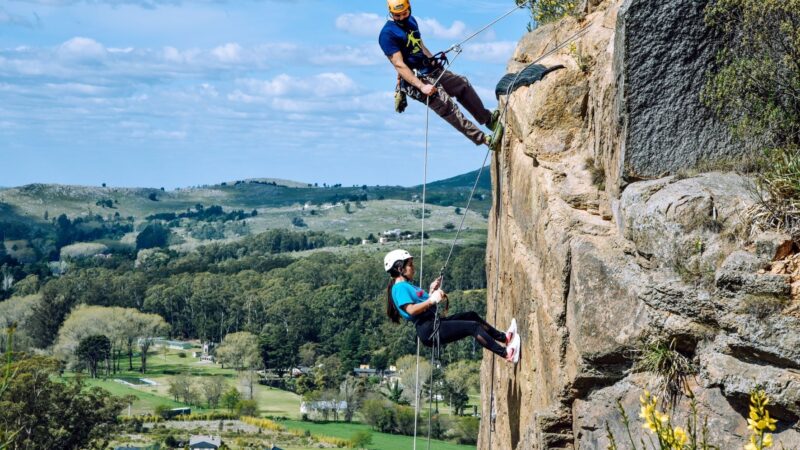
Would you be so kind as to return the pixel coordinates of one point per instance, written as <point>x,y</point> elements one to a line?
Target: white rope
<point>456,46</point>
<point>421,267</point>
<point>416,398</point>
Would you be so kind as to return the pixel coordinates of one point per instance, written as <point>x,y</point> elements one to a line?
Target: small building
<point>205,442</point>
<point>175,412</point>
<point>175,345</point>
<point>320,406</point>
<point>299,371</point>
<point>383,240</point>
<point>139,447</point>
<point>364,370</point>
<point>392,233</point>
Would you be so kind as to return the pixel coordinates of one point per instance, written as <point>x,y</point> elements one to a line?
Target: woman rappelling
<point>403,299</point>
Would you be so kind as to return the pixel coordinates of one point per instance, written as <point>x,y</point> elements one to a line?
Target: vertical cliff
<point>603,239</point>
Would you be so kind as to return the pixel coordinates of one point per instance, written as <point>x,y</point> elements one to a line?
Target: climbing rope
<point>489,25</point>
<point>498,216</point>
<point>436,349</point>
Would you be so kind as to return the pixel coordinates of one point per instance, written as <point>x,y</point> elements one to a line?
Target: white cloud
<point>491,52</point>
<point>322,85</point>
<point>76,88</point>
<point>82,49</point>
<point>228,53</point>
<point>147,132</point>
<point>366,55</point>
<point>120,50</point>
<point>360,24</point>
<point>369,25</point>
<point>432,27</point>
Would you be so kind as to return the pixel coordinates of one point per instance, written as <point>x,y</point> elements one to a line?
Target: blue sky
<point>178,93</point>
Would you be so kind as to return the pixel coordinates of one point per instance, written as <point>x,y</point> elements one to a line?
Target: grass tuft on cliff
<point>672,367</point>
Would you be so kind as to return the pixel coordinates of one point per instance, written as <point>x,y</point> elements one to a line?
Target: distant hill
<point>278,181</point>
<point>38,200</point>
<point>466,180</point>
<point>230,210</point>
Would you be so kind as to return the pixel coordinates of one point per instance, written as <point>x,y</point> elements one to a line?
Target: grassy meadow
<point>163,366</point>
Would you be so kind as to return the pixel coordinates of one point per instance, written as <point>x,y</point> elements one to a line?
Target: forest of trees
<point>265,306</point>
<point>251,285</point>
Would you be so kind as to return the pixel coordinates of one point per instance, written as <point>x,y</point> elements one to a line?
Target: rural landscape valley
<point>256,298</point>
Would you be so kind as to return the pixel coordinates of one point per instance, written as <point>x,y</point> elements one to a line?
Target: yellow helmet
<point>398,6</point>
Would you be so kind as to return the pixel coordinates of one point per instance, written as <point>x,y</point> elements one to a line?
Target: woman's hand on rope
<point>437,296</point>
<point>428,89</point>
<point>437,283</point>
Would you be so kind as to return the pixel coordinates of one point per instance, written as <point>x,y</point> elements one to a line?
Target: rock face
<point>661,52</point>
<point>596,266</point>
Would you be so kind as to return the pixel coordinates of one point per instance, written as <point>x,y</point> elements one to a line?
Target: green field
<point>272,402</point>
<point>162,369</point>
<point>380,441</point>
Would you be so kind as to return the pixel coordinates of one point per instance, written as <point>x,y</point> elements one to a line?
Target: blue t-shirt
<point>405,293</point>
<point>406,40</point>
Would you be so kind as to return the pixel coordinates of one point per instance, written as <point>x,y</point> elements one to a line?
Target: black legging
<point>458,326</point>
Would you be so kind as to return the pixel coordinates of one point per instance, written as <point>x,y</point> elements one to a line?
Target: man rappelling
<point>418,71</point>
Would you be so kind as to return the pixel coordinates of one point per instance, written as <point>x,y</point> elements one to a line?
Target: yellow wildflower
<point>759,421</point>
<point>680,437</point>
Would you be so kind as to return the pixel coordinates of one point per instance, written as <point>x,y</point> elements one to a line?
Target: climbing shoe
<point>495,141</point>
<point>512,350</point>
<point>494,120</point>
<point>512,331</point>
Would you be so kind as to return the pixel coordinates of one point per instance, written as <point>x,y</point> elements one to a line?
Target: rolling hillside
<point>231,210</point>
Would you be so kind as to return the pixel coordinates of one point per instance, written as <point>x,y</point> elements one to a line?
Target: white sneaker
<point>511,332</point>
<point>512,350</point>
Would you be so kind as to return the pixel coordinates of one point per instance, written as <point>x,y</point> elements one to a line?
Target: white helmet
<point>394,256</point>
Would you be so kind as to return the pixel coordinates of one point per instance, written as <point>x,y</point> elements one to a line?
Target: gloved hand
<point>436,296</point>
<point>436,284</point>
<point>428,89</point>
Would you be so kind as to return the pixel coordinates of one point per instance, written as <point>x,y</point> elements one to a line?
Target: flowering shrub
<point>670,437</point>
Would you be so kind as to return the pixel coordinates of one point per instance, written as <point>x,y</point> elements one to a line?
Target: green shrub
<point>465,430</point>
<point>162,411</point>
<point>754,90</point>
<point>247,408</point>
<point>361,439</point>
<point>658,357</point>
<point>545,11</point>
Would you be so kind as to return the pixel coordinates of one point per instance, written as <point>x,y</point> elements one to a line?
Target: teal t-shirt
<point>405,293</point>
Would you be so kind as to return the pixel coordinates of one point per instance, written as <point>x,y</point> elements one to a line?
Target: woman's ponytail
<point>391,309</point>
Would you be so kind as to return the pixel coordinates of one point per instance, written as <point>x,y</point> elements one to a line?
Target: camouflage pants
<point>452,86</point>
